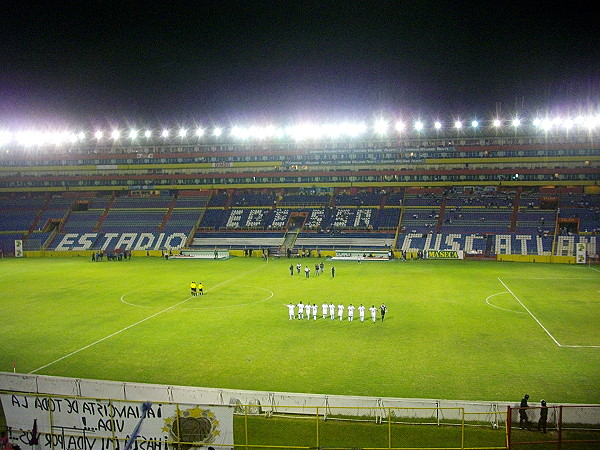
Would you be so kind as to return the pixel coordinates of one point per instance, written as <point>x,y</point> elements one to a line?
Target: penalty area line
<point>133,325</point>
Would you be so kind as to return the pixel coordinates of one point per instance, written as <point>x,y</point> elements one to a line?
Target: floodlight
<point>419,125</point>
<point>148,133</point>
<point>537,122</point>
<point>400,126</point>
<point>458,124</point>
<point>380,126</point>
<point>165,133</point>
<point>199,131</point>
<point>98,134</point>
<point>516,122</point>
<point>81,136</point>
<point>133,134</point>
<point>437,125</point>
<point>217,131</point>
<point>497,123</point>
<point>475,124</point>
<point>5,137</point>
<point>116,134</point>
<point>182,132</point>
<point>546,124</point>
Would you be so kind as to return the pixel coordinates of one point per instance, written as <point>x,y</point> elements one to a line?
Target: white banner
<point>74,423</point>
<point>18,248</point>
<point>581,253</point>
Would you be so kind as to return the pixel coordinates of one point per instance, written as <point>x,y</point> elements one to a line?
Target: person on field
<point>332,272</point>
<point>200,288</point>
<point>361,312</point>
<point>291,269</point>
<point>543,417</point>
<point>382,310</point>
<point>341,312</point>
<point>332,311</point>
<point>307,272</point>
<point>373,313</point>
<point>314,311</point>
<point>351,312</point>
<point>292,310</point>
<point>523,419</point>
<point>300,310</point>
<point>324,309</point>
<point>308,310</point>
<point>193,288</point>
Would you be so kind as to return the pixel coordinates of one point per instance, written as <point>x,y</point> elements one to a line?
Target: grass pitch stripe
<point>135,324</point>
<point>530,313</point>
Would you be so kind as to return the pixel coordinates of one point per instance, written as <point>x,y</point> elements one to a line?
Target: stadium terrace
<point>498,187</point>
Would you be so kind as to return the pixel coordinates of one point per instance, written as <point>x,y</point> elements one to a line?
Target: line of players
<point>329,310</point>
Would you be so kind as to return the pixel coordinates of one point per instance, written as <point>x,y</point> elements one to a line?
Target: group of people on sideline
<point>524,418</point>
<point>308,311</point>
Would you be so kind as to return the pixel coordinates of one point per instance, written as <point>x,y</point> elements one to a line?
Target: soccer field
<point>454,329</point>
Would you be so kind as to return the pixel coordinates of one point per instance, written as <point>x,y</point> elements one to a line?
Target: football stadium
<point>388,283</point>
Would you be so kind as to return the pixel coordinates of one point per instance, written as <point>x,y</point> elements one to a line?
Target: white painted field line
<point>540,323</point>
<point>530,313</point>
<point>134,324</point>
<point>487,300</point>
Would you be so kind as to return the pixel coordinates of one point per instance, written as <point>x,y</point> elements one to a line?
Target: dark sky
<point>152,62</point>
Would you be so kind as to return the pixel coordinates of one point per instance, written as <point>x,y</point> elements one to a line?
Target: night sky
<point>255,61</point>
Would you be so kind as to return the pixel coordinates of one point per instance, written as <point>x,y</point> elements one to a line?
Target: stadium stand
<point>488,196</point>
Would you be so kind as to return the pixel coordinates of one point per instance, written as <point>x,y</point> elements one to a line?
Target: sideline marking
<point>540,323</point>
<point>498,307</point>
<point>134,324</point>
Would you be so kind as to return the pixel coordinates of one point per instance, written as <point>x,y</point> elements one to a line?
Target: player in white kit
<point>300,310</point>
<point>351,312</point>
<point>324,309</point>
<point>361,312</point>
<point>373,313</point>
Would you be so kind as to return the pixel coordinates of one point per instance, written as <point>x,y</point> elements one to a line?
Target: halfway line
<point>134,324</point>
<point>530,313</point>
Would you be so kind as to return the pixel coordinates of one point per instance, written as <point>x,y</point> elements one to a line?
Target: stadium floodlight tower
<point>165,133</point>
<point>115,134</point>
<point>148,134</point>
<point>199,132</point>
<point>217,132</point>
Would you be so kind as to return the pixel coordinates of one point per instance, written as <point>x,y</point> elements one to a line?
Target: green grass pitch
<point>454,329</point>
